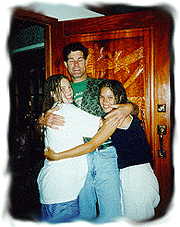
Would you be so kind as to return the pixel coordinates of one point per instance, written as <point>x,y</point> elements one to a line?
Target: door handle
<point>161,130</point>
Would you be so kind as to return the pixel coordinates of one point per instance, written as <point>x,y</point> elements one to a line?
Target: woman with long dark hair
<point>60,182</point>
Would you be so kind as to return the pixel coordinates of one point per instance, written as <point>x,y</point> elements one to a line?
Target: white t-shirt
<point>61,181</point>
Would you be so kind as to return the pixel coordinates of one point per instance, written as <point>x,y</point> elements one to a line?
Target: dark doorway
<point>25,142</point>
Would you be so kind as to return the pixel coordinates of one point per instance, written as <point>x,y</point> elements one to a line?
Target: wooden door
<point>134,49</point>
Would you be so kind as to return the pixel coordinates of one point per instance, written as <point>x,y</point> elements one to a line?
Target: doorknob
<point>161,130</point>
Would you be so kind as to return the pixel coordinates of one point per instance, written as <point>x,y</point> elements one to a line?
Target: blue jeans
<point>60,212</point>
<point>103,185</point>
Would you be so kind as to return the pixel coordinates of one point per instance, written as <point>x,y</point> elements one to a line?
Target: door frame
<point>49,24</point>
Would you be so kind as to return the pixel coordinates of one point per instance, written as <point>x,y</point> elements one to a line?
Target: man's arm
<point>50,119</point>
<point>122,111</point>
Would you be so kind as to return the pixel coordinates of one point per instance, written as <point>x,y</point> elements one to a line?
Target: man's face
<point>76,66</point>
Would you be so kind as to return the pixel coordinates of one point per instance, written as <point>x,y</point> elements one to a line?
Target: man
<point>86,89</point>
<point>86,93</point>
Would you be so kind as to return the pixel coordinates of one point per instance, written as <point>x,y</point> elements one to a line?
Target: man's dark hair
<point>74,47</point>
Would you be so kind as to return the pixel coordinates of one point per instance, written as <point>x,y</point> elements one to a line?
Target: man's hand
<point>53,120</point>
<point>119,114</point>
<point>49,154</point>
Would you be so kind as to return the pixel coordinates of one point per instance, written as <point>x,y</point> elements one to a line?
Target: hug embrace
<point>98,160</point>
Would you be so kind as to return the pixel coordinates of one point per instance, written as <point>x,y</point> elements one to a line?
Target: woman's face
<point>66,91</point>
<point>106,99</point>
